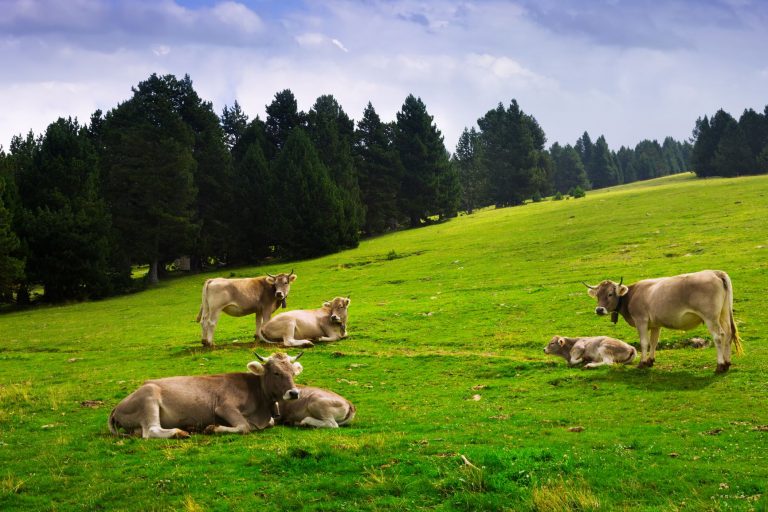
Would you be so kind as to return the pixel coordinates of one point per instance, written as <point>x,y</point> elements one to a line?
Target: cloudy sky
<point>628,69</point>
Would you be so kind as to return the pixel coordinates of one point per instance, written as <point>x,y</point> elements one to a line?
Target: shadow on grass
<point>656,380</point>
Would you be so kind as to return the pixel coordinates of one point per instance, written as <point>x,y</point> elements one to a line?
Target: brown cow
<point>679,302</point>
<point>594,351</point>
<point>328,323</point>
<point>241,297</point>
<point>238,402</point>
<point>316,407</point>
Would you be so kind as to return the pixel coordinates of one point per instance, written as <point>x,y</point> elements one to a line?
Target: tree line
<point>161,175</point>
<point>726,147</point>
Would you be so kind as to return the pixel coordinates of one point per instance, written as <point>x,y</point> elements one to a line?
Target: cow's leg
<point>655,332</point>
<point>234,417</point>
<point>290,341</point>
<point>150,417</point>
<point>332,337</point>
<point>642,330</point>
<point>577,356</point>
<point>720,336</point>
<point>310,421</point>
<point>605,359</point>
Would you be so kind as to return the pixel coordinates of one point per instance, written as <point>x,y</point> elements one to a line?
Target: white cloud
<point>338,44</point>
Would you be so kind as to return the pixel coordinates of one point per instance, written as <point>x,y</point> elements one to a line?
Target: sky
<point>628,70</point>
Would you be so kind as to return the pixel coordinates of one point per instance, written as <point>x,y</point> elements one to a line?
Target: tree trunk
<point>152,276</point>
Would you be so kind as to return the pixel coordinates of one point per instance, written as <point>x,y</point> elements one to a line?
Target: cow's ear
<point>592,292</point>
<point>623,290</point>
<point>297,368</point>
<point>292,278</point>
<point>347,301</point>
<point>256,368</point>
<point>561,341</point>
<point>327,304</point>
<point>270,280</point>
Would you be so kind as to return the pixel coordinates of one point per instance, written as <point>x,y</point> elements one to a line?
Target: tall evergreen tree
<point>472,176</point>
<point>234,122</point>
<point>733,156</point>
<point>425,161</point>
<point>65,221</point>
<point>282,117</point>
<point>584,147</point>
<point>754,127</point>
<point>511,145</point>
<point>149,169</point>
<point>569,169</point>
<point>331,132</point>
<point>604,172</point>
<point>379,171</point>
<point>309,220</point>
<point>11,265</point>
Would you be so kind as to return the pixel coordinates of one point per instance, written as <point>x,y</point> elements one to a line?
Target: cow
<point>328,323</point>
<point>219,404</point>
<point>679,302</point>
<point>240,297</point>
<point>594,351</point>
<point>316,407</point>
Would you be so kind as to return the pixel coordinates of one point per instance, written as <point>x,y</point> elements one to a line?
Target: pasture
<point>458,407</point>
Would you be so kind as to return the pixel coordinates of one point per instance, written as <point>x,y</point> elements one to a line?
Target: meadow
<point>458,406</point>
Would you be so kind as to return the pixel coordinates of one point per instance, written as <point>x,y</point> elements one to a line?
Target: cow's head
<point>557,345</point>
<point>282,284</point>
<point>277,372</point>
<point>608,295</point>
<point>338,307</point>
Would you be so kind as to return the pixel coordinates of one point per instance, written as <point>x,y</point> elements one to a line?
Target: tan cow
<point>300,327</point>
<point>240,297</point>
<point>238,402</point>
<point>316,407</point>
<point>594,351</point>
<point>679,302</point>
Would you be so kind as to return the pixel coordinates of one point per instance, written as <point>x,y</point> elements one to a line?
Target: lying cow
<point>679,302</point>
<point>299,328</point>
<point>316,407</point>
<point>225,403</point>
<point>595,351</point>
<point>240,297</point>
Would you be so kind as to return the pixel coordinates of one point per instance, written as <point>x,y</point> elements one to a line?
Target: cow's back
<point>237,297</point>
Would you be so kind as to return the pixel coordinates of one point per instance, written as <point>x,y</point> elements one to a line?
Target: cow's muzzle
<point>291,394</point>
<point>600,310</point>
<point>279,295</point>
<point>336,319</point>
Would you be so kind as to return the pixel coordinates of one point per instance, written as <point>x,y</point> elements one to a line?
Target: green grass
<point>438,315</point>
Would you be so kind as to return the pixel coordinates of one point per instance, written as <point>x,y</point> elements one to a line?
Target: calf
<point>299,328</point>
<point>316,408</point>
<point>595,351</point>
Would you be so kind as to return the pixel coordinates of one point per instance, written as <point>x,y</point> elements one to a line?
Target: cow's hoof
<point>210,429</point>
<point>207,344</point>
<point>181,434</point>
<point>645,364</point>
<point>722,368</point>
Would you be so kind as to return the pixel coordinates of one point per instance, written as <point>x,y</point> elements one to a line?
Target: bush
<point>558,196</point>
<point>537,197</point>
<point>577,192</point>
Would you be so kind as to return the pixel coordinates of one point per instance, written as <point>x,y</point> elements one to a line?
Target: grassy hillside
<point>445,359</point>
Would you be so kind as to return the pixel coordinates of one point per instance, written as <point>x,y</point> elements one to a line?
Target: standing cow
<point>240,297</point>
<point>225,403</point>
<point>679,302</point>
<point>298,328</point>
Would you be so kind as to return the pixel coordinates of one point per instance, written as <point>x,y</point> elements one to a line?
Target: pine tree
<point>11,266</point>
<point>604,172</point>
<point>309,218</point>
<point>472,176</point>
<point>65,222</point>
<point>379,172</point>
<point>425,162</point>
<point>569,169</point>
<point>331,132</point>
<point>511,145</point>
<point>234,122</point>
<point>149,169</point>
<point>282,117</point>
<point>584,148</point>
<point>733,156</point>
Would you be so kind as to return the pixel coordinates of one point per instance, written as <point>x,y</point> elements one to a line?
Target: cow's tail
<point>735,338</point>
<point>350,414</point>
<point>264,339</point>
<point>632,355</point>
<point>204,301</point>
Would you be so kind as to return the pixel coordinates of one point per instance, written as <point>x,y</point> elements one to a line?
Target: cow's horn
<point>293,359</point>
<point>589,286</point>
<point>621,280</point>
<point>289,275</point>
<point>270,275</point>
<point>260,358</point>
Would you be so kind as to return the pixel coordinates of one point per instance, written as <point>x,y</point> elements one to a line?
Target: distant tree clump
<point>726,147</point>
